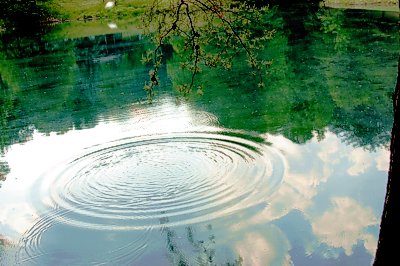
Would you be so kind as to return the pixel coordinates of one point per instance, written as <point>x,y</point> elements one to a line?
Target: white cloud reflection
<point>256,250</point>
<point>345,224</point>
<point>309,167</point>
<point>16,219</point>
<point>361,160</point>
<point>382,160</point>
<point>267,248</point>
<point>302,177</point>
<point>329,155</point>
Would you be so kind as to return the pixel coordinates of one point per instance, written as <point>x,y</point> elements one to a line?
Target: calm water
<point>292,173</point>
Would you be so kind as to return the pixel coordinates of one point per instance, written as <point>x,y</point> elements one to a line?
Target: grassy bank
<point>92,9</point>
<point>96,9</point>
<point>91,17</point>
<point>384,5</point>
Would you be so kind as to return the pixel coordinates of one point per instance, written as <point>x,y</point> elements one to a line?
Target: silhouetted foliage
<point>24,13</point>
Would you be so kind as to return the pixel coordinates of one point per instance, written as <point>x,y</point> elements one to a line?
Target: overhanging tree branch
<point>212,32</point>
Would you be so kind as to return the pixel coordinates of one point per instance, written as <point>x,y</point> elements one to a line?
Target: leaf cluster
<point>207,33</point>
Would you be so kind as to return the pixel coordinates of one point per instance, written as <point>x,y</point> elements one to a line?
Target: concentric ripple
<point>145,182</point>
<point>42,244</point>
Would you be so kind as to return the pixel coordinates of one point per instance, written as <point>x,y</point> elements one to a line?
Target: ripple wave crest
<point>175,179</point>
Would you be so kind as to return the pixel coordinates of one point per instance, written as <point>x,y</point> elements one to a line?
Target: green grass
<point>89,17</point>
<point>384,5</point>
<point>126,15</point>
<point>95,9</point>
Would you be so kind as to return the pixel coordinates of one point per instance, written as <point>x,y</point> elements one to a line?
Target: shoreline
<point>392,6</point>
<point>383,6</point>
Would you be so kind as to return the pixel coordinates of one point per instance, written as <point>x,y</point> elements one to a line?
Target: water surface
<point>292,173</point>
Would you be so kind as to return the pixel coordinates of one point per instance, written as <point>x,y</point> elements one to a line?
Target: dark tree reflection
<point>180,249</point>
<point>4,170</point>
<point>25,15</point>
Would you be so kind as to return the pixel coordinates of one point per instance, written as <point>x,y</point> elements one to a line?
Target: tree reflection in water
<point>203,250</point>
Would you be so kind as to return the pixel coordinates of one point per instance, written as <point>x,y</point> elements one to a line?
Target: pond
<point>292,173</point>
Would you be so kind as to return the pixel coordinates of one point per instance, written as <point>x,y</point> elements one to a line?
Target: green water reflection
<point>341,79</point>
<point>325,107</point>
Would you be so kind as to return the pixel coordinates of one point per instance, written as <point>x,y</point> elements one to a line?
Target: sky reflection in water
<point>325,204</point>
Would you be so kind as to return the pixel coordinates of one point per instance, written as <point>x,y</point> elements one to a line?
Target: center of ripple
<point>169,179</point>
